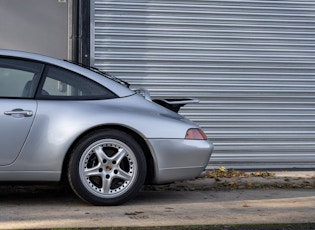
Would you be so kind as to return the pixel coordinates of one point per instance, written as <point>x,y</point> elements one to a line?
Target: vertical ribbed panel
<point>250,62</point>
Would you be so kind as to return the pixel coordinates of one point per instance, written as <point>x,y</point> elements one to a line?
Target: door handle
<point>19,113</point>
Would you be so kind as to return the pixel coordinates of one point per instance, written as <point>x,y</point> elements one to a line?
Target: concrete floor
<point>183,203</point>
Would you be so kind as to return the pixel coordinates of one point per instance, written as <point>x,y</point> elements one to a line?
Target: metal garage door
<point>251,63</point>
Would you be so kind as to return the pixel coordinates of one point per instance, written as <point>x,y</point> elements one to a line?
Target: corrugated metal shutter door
<point>251,63</point>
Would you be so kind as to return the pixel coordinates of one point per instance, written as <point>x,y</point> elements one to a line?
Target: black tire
<point>107,167</point>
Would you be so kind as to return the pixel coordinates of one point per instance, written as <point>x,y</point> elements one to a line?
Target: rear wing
<point>175,104</point>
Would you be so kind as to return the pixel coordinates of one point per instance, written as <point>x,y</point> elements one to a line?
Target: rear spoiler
<point>175,104</point>
<point>172,104</point>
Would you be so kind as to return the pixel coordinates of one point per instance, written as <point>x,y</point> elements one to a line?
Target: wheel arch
<point>140,140</point>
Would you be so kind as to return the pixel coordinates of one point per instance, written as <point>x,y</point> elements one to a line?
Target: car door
<point>18,81</point>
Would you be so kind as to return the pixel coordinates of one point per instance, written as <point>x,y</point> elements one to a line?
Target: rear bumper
<point>179,159</point>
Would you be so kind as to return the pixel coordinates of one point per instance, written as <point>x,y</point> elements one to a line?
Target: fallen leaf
<point>245,205</point>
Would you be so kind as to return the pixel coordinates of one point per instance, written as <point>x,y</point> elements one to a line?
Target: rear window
<point>59,83</point>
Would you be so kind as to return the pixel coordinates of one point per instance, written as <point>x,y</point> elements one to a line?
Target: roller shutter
<point>250,62</point>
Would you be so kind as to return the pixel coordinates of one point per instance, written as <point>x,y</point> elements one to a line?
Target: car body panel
<point>179,159</point>
<point>15,127</point>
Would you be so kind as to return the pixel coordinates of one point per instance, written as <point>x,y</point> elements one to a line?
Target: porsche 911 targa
<point>62,120</point>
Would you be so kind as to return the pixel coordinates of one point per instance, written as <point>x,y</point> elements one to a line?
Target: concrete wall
<point>39,26</point>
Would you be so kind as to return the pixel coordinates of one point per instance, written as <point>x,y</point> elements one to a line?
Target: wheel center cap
<point>108,168</point>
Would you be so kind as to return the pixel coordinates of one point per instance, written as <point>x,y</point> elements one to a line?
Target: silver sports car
<point>61,120</point>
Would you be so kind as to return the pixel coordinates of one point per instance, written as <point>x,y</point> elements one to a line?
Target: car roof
<point>117,88</point>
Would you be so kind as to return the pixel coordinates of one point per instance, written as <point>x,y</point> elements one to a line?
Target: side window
<point>18,78</point>
<point>63,84</point>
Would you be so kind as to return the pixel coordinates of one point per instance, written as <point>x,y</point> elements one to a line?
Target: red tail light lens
<point>195,134</point>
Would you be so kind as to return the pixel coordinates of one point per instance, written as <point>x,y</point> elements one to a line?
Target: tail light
<point>195,134</point>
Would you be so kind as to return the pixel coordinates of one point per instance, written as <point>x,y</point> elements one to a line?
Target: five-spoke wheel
<point>107,168</point>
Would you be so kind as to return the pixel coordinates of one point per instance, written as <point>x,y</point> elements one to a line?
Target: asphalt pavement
<point>280,197</point>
